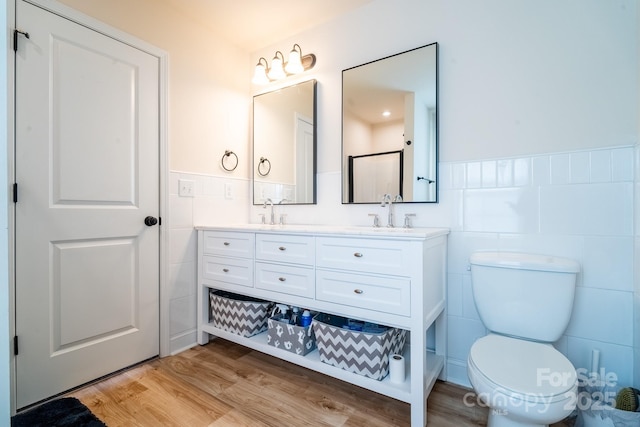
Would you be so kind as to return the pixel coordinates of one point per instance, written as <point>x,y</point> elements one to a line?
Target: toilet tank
<point>524,295</point>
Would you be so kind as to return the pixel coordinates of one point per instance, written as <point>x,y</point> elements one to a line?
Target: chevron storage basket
<point>239,314</point>
<point>361,352</point>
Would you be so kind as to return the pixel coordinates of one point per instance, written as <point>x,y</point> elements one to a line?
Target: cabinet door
<point>378,293</point>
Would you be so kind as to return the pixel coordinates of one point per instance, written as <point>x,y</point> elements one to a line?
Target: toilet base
<point>498,419</point>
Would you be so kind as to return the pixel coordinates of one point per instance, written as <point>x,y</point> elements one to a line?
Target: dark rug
<point>65,412</point>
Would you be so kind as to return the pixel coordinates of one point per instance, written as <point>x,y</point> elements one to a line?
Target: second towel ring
<point>264,163</point>
<point>226,155</point>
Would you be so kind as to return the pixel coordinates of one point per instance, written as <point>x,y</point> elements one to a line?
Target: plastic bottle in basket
<point>305,320</point>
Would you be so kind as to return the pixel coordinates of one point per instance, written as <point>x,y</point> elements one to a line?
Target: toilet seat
<point>525,370</point>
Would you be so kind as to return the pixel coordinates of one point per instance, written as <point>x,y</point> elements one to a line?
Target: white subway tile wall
<point>577,205</point>
<point>210,205</point>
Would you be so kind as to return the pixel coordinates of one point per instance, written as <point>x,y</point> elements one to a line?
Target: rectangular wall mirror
<point>284,145</point>
<point>390,128</point>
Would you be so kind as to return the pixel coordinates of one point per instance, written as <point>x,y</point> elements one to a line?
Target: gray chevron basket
<point>239,314</point>
<point>360,352</point>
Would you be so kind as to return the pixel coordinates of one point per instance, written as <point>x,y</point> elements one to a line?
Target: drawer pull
<point>358,255</point>
<point>282,279</point>
<point>282,248</point>
<point>358,291</point>
<point>226,243</point>
<point>226,270</point>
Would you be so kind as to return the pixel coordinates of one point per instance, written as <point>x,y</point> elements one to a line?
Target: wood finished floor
<point>225,384</point>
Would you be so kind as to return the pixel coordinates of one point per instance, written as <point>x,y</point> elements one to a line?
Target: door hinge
<point>15,192</point>
<point>15,345</point>
<point>15,38</point>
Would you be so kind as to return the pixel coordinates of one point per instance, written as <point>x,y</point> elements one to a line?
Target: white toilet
<point>525,301</point>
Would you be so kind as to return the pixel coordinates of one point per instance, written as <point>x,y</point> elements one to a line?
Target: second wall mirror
<point>284,145</point>
<point>390,128</point>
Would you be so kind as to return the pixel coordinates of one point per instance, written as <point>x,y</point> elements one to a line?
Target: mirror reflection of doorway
<point>304,157</point>
<point>373,175</point>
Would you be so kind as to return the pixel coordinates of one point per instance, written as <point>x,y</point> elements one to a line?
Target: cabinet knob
<point>358,291</point>
<point>282,279</point>
<point>226,243</point>
<point>226,270</point>
<point>282,248</point>
<point>358,255</point>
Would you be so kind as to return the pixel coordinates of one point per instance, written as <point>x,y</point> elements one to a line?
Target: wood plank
<point>223,384</point>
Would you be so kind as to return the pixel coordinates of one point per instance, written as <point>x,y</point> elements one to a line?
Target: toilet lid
<point>523,367</point>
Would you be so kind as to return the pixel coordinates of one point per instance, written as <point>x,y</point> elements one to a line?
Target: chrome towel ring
<point>227,154</point>
<point>264,166</point>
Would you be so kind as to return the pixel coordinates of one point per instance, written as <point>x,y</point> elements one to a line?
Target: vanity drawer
<point>383,294</point>
<point>228,244</point>
<point>285,279</point>
<point>285,248</point>
<point>369,256</point>
<point>238,271</point>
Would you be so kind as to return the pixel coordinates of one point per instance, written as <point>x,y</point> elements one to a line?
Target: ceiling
<point>381,85</point>
<point>254,24</point>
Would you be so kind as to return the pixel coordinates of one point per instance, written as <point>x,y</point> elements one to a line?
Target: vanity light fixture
<point>279,69</point>
<point>386,113</point>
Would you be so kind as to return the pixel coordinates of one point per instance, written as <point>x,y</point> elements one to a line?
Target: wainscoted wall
<point>208,206</point>
<point>516,118</point>
<point>574,204</point>
<point>578,205</point>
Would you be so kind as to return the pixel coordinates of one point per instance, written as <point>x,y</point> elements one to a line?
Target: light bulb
<point>276,72</point>
<point>294,66</point>
<point>260,75</point>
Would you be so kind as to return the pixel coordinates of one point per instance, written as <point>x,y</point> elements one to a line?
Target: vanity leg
<point>202,313</point>
<point>418,369</point>
<point>202,299</point>
<point>441,342</point>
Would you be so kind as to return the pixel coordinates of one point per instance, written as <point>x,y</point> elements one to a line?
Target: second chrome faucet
<point>388,201</point>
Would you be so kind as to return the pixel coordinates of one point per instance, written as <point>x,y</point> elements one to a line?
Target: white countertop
<point>397,232</point>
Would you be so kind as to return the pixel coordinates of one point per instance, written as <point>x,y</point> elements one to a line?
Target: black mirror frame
<point>344,198</point>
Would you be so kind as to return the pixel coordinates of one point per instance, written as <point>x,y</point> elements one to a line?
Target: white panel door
<point>87,169</point>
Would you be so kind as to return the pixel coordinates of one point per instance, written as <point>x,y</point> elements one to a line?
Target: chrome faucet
<point>273,215</point>
<point>386,201</point>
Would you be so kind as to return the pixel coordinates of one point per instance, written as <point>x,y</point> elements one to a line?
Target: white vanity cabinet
<point>395,277</point>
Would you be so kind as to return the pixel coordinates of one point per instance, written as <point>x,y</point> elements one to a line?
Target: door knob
<point>150,221</point>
